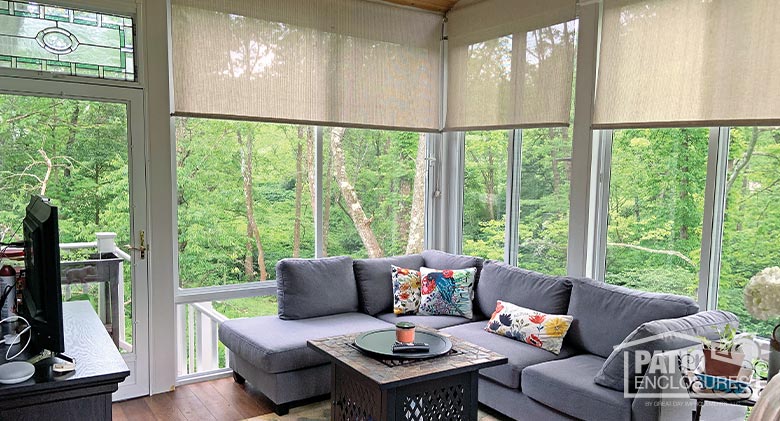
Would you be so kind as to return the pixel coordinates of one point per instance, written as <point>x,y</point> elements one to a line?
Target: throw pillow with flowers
<point>533,327</point>
<point>406,290</point>
<point>447,292</point>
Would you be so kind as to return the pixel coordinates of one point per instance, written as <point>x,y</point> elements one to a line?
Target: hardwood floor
<point>220,399</point>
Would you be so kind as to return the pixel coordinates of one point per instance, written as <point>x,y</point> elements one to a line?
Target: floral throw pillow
<point>406,290</point>
<point>535,328</point>
<point>447,292</point>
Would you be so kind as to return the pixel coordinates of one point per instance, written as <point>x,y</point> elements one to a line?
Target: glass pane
<point>374,192</point>
<point>484,193</point>
<point>76,153</point>
<point>198,345</point>
<point>656,202</point>
<point>55,39</point>
<point>544,200</point>
<point>752,219</point>
<point>244,199</point>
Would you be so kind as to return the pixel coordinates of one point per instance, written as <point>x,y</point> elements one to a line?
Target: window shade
<point>677,63</point>
<point>510,64</point>
<point>347,63</point>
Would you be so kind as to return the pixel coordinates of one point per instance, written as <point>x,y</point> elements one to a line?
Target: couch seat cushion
<point>374,281</point>
<point>605,314</point>
<point>567,385</point>
<point>520,355</point>
<point>277,345</point>
<point>433,322</point>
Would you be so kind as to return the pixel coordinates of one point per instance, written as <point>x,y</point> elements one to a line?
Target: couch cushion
<point>277,345</point>
<point>433,322</point>
<point>315,287</point>
<point>499,281</point>
<point>659,336</point>
<point>605,314</point>
<point>375,285</point>
<point>567,385</point>
<point>520,355</point>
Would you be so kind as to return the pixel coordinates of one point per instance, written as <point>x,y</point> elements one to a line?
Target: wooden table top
<point>464,357</point>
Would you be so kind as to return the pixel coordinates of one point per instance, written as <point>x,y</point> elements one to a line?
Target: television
<point>42,294</point>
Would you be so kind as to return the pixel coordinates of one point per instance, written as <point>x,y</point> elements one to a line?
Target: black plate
<point>379,344</point>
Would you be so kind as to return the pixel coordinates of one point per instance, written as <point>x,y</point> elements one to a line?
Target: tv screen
<point>42,295</point>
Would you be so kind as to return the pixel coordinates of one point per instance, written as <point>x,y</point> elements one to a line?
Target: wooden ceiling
<point>433,5</point>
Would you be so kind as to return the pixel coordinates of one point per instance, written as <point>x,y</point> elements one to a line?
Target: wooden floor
<point>221,399</point>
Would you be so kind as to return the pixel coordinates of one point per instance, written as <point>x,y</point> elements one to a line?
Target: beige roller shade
<point>347,63</point>
<point>677,63</point>
<point>510,64</point>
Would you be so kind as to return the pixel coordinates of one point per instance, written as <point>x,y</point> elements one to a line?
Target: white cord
<point>29,337</point>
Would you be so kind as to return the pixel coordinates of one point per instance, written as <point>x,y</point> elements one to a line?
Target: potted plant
<point>723,357</point>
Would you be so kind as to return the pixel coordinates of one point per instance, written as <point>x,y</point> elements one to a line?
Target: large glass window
<point>373,192</point>
<point>484,193</point>
<point>752,218</point>
<point>656,203</point>
<point>54,39</point>
<point>244,199</point>
<point>544,200</point>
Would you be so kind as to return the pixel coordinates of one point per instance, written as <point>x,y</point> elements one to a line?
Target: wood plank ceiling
<point>433,5</point>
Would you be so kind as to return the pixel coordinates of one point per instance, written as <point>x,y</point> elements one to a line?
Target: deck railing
<point>105,242</point>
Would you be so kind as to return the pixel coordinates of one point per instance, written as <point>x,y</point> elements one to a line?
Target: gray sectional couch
<point>333,296</point>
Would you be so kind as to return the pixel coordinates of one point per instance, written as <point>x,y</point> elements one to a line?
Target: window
<point>373,192</point>
<point>656,203</point>
<point>60,40</point>
<point>484,193</point>
<point>244,199</point>
<point>544,200</point>
<point>752,218</point>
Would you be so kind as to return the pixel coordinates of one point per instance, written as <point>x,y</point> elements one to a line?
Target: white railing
<point>105,243</point>
<point>198,344</point>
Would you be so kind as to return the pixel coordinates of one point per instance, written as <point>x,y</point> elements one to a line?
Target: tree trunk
<point>414,243</point>
<point>298,192</point>
<point>252,232</point>
<point>354,208</point>
<point>74,121</point>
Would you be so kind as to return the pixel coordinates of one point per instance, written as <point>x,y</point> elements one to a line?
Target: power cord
<point>18,336</point>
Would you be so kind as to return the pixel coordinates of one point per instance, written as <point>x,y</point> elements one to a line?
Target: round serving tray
<point>379,344</point>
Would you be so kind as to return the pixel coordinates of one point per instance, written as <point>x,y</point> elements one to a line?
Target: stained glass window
<point>54,39</point>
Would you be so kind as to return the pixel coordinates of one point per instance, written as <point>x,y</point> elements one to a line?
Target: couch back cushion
<point>500,281</point>
<point>375,283</point>
<point>605,314</point>
<point>315,287</point>
<point>659,336</point>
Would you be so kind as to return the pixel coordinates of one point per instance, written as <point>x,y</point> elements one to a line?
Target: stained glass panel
<point>55,39</point>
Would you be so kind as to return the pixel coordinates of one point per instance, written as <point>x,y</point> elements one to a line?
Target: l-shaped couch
<point>338,295</point>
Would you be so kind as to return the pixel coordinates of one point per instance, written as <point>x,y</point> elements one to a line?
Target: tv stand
<point>84,393</point>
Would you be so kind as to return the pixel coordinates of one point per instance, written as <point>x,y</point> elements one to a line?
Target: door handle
<point>141,247</point>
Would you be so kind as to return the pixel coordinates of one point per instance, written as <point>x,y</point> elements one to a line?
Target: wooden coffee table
<point>370,389</point>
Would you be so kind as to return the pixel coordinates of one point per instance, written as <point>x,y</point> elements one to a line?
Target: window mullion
<point>512,218</point>
<point>598,232</point>
<point>714,212</point>
<point>319,241</point>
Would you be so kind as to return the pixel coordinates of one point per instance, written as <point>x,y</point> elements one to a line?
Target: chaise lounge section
<point>334,296</point>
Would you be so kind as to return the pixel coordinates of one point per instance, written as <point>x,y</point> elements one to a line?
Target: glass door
<point>83,147</point>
